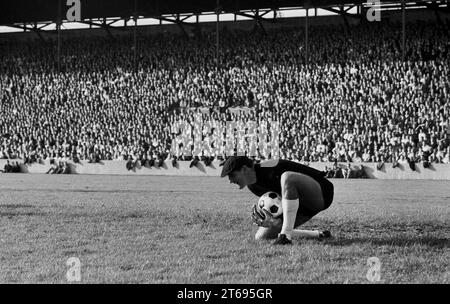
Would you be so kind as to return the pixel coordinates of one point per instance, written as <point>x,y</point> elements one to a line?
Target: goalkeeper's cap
<point>234,163</point>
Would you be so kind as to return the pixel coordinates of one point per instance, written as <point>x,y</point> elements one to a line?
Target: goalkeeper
<point>304,190</point>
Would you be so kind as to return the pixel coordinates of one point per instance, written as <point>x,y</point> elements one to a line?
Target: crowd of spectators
<point>352,100</point>
<point>60,167</point>
<point>11,167</point>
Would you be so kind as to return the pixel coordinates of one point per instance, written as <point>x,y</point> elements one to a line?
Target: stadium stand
<point>354,101</point>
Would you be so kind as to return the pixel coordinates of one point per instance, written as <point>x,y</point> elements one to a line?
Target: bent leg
<point>309,192</point>
<point>301,219</point>
<point>264,233</point>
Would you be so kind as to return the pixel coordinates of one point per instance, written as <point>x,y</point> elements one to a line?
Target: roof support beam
<point>439,7</point>
<point>180,23</point>
<point>258,21</point>
<point>347,26</point>
<point>106,26</point>
<point>435,6</point>
<point>342,12</point>
<point>36,29</point>
<point>177,20</point>
<point>257,17</point>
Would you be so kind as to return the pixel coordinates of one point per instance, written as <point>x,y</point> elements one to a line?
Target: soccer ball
<point>271,201</point>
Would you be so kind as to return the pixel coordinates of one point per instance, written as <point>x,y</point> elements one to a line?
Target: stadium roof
<point>29,11</point>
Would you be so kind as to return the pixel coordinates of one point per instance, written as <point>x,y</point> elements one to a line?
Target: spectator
<point>194,162</point>
<point>347,171</point>
<point>7,168</point>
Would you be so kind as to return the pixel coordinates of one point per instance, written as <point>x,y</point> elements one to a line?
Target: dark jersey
<point>268,178</point>
<point>268,175</point>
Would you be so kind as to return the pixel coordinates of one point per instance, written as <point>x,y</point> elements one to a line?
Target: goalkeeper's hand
<point>264,218</point>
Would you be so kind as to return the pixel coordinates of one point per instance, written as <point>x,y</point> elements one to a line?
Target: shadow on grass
<point>14,214</point>
<point>430,241</point>
<point>14,206</point>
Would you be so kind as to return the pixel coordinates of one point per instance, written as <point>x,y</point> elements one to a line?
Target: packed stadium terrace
<point>354,101</point>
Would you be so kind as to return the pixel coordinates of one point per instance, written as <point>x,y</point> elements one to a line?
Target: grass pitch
<point>137,229</point>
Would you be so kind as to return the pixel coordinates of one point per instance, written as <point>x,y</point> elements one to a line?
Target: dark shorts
<point>327,193</point>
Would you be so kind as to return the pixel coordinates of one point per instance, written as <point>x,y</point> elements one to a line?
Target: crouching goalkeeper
<point>304,191</point>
